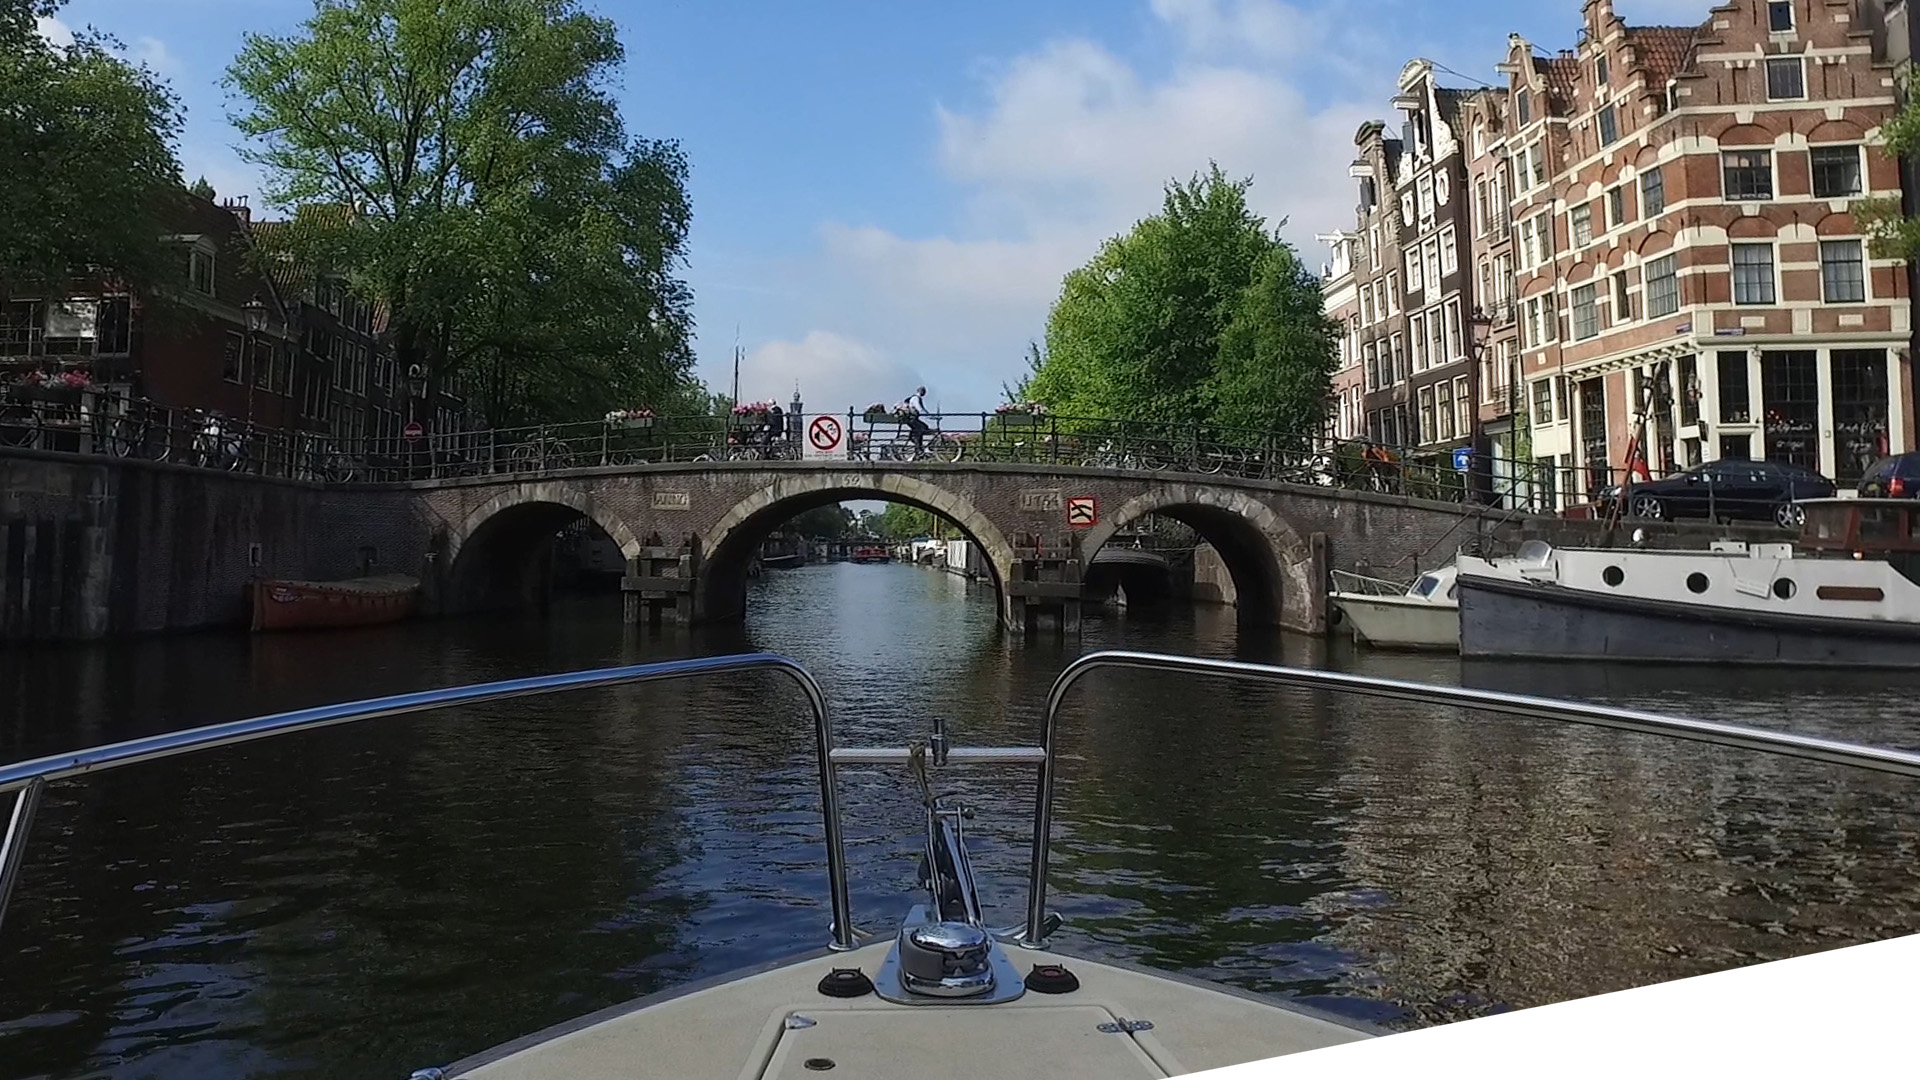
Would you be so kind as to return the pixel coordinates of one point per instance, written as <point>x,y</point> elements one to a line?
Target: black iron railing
<point>86,422</point>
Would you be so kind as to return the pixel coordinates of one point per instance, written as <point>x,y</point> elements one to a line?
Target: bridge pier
<point>1045,583</point>
<point>659,586</point>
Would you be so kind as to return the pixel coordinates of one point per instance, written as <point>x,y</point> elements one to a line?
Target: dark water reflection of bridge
<point>361,902</point>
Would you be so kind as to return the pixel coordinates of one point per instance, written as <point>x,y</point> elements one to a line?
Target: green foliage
<point>90,175</point>
<point>902,522</point>
<point>1891,234</point>
<point>485,188</point>
<point>1199,314</point>
<point>823,523</point>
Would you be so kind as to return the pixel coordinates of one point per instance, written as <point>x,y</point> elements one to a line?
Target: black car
<point>1896,477</point>
<point>1728,488</point>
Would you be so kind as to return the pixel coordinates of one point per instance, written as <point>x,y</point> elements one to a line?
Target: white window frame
<point>1798,62</point>
<point>1773,272</point>
<point>1416,280</point>
<point>1449,251</point>
<point>1866,273</point>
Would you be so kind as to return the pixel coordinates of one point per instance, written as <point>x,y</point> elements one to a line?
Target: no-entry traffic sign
<point>414,431</point>
<point>826,438</point>
<point>1082,512</point>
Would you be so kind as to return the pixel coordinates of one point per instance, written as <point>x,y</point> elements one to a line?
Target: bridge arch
<point>495,554</point>
<point>1271,565</point>
<point>728,546</point>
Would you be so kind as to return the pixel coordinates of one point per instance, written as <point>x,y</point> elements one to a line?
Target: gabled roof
<point>1663,52</point>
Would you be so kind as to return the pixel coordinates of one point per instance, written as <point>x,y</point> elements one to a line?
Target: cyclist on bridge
<point>910,411</point>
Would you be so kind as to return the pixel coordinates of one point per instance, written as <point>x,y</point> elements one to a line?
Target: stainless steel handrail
<point>1899,762</point>
<point>30,778</point>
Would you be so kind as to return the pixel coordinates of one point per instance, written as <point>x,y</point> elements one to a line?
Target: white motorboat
<point>1843,595</point>
<point>1423,615</point>
<point>943,997</point>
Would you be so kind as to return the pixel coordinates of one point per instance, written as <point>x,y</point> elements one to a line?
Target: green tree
<point>486,189</point>
<point>823,522</point>
<point>1891,234</point>
<point>88,139</point>
<point>1199,313</point>
<point>902,522</point>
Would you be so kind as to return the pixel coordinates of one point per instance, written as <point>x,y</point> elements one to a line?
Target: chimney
<point>237,206</point>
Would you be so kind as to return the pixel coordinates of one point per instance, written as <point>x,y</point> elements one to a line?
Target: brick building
<point>1379,326</point>
<point>1345,415</point>
<point>1661,238</point>
<point>315,363</point>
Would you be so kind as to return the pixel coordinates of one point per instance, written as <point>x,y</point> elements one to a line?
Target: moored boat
<point>1423,615</point>
<point>872,553</point>
<point>301,605</point>
<point>1844,595</point>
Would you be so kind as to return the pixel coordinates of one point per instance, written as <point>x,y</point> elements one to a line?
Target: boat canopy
<point>1861,526</point>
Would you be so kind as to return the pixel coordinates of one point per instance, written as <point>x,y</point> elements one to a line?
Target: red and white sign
<point>826,438</point>
<point>414,431</point>
<point>1082,512</point>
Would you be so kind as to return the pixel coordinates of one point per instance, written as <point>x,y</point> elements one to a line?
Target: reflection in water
<point>363,901</point>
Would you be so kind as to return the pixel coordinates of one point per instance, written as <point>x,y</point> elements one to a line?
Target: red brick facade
<point>1662,242</point>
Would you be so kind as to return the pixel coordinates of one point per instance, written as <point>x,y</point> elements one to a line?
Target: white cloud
<point>54,30</point>
<point>1074,145</point>
<point>153,52</point>
<point>834,372</point>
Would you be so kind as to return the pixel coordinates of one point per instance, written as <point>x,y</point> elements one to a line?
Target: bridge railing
<point>86,423</point>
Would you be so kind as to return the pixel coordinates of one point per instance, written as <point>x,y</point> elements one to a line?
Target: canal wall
<point>100,547</point>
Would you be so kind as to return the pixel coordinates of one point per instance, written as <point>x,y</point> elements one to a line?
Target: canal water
<point>360,902</point>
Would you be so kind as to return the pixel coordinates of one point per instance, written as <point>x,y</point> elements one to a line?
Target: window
<point>1542,320</point>
<point>1734,394</point>
<point>200,271</point>
<point>1523,107</point>
<point>1747,174</point>
<point>1414,279</point>
<point>1582,219</point>
<point>1753,273</point>
<point>1586,315</point>
<point>1454,351</point>
<point>1449,250</point>
<point>230,358</point>
<point>1367,313</point>
<point>1617,207</point>
<point>1543,401</point>
<point>1482,220</point>
<point>1600,71</point>
<point>1859,411</point>
<point>1536,165</point>
<point>1843,276</point>
<point>1689,393</point>
<point>1662,287</point>
<point>1786,78</point>
<point>1373,366</point>
<point>1836,171</point>
<point>1653,192</point>
<point>1417,327</point>
<point>1790,391</point>
<point>1426,414</point>
<point>1622,303</point>
<point>1397,360</point>
<point>1780,16</point>
<point>1393,294</point>
<point>1424,189</point>
<point>1431,252</point>
<point>1443,410</point>
<point>1609,126</point>
<point>1462,407</point>
<point>1536,234</point>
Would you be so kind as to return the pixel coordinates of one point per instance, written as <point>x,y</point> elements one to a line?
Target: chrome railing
<point>30,778</point>
<point>1899,762</point>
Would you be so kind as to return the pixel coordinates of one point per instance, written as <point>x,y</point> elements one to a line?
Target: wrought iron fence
<point>85,422</point>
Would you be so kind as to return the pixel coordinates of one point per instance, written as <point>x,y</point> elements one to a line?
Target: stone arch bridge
<point>689,531</point>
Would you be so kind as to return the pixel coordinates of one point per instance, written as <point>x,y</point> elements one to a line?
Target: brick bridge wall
<point>1277,539</point>
<point>93,547</point>
<point>98,547</point>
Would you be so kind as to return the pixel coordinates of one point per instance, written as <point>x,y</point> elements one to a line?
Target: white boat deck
<point>741,1030</point>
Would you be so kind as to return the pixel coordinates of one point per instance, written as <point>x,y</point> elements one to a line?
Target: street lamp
<point>256,313</point>
<point>1479,329</point>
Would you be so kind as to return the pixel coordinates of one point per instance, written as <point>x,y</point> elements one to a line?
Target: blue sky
<point>887,194</point>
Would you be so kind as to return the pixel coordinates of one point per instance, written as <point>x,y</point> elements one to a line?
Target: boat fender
<point>1052,979</point>
<point>846,983</point>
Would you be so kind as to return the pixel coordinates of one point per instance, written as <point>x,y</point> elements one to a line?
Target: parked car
<point>1729,488</point>
<point>1896,477</point>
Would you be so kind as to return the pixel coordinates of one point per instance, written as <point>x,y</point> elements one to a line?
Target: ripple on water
<point>362,902</point>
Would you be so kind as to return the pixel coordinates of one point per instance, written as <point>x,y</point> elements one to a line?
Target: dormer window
<point>200,270</point>
<point>1780,16</point>
<point>1600,71</point>
<point>1523,107</point>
